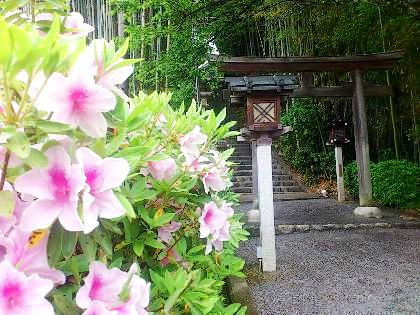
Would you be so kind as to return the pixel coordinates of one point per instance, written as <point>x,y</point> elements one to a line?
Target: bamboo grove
<point>172,37</point>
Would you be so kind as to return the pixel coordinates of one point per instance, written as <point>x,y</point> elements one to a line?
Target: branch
<point>4,169</point>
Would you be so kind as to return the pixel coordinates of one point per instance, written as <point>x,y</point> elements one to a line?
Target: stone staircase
<point>285,186</point>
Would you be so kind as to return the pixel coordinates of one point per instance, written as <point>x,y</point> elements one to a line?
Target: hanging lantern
<point>337,132</point>
<point>263,112</point>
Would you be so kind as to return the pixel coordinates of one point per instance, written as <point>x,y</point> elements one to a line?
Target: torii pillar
<point>361,139</point>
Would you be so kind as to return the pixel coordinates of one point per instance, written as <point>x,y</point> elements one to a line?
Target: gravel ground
<point>339,272</point>
<point>319,211</point>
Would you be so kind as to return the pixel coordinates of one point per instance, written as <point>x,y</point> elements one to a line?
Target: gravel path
<point>339,272</point>
<point>319,211</point>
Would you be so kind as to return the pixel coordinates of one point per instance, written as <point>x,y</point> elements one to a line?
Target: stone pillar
<point>254,169</point>
<point>361,139</point>
<point>265,197</point>
<point>339,171</point>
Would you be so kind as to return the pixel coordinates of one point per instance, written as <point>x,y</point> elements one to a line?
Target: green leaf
<point>104,240</point>
<point>126,205</point>
<point>163,219</point>
<point>152,242</point>
<point>88,245</point>
<point>146,194</point>
<point>124,63</point>
<point>18,143</point>
<point>115,142</point>
<point>36,159</point>
<point>7,202</point>
<point>68,243</point>
<point>6,43</point>
<point>138,122</point>
<point>64,306</point>
<point>221,117</point>
<point>133,151</point>
<point>111,226</point>
<point>170,302</point>
<point>54,244</point>
<point>53,127</point>
<point>138,247</point>
<point>121,52</point>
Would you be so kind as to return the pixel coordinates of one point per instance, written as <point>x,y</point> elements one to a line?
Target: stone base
<point>253,215</point>
<point>368,212</point>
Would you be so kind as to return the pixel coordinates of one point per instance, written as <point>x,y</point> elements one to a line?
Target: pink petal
<point>114,77</point>
<point>98,308</point>
<point>90,218</point>
<point>69,217</point>
<point>93,124</point>
<point>30,260</point>
<point>100,100</point>
<point>53,95</point>
<point>40,215</point>
<point>35,183</point>
<point>115,172</point>
<point>58,156</point>
<point>76,179</point>
<point>109,206</point>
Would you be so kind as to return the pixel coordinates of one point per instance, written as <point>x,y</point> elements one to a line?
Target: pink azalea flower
<point>106,286</point>
<point>78,101</point>
<point>93,60</point>
<point>195,164</point>
<point>76,22</point>
<point>29,258</point>
<point>227,208</point>
<point>165,232</point>
<point>214,225</point>
<point>57,187</point>
<point>213,180</point>
<point>190,142</point>
<point>212,219</point>
<point>101,176</point>
<point>162,170</point>
<point>98,308</point>
<point>20,294</point>
<point>6,223</point>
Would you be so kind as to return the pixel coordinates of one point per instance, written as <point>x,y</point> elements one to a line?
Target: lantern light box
<point>337,132</point>
<point>263,112</point>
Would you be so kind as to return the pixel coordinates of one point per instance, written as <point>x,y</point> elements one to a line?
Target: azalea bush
<point>108,204</point>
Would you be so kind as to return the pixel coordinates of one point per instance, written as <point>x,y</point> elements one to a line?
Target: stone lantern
<point>337,130</point>
<point>263,96</point>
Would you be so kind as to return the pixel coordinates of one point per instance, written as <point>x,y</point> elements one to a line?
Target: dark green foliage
<point>304,148</point>
<point>350,179</point>
<point>394,183</point>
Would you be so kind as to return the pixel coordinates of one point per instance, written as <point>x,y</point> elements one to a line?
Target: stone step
<point>287,183</point>
<point>249,172</point>
<point>249,167</point>
<point>247,178</point>
<point>280,189</point>
<point>241,158</point>
<point>284,189</point>
<point>248,197</point>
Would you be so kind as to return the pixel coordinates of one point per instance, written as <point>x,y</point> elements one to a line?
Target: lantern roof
<point>277,82</point>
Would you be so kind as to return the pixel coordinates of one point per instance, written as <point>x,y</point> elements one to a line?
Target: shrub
<point>350,179</point>
<point>394,183</point>
<point>96,185</point>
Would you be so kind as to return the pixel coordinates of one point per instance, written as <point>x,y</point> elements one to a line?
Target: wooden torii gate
<point>357,90</point>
